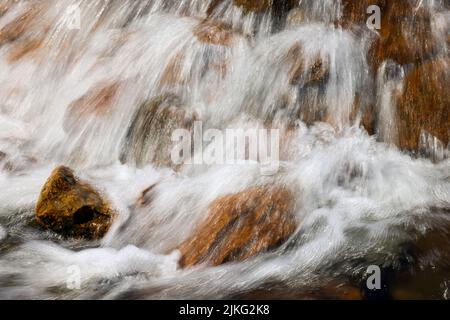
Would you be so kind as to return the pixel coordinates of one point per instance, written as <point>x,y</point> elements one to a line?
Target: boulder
<point>424,105</point>
<point>72,207</point>
<point>242,225</point>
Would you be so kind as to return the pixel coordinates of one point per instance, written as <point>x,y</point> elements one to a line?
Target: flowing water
<point>359,199</point>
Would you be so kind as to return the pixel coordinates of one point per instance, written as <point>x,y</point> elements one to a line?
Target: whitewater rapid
<point>358,198</point>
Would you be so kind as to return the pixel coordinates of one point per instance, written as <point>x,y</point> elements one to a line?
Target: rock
<point>355,12</point>
<point>172,75</point>
<point>17,27</point>
<point>24,48</point>
<point>405,37</point>
<point>424,105</point>
<point>215,33</point>
<point>254,5</point>
<point>97,102</point>
<point>72,207</point>
<point>406,31</point>
<point>295,18</point>
<point>242,225</point>
<point>5,5</point>
<point>317,72</point>
<point>278,9</point>
<point>148,139</point>
<point>427,272</point>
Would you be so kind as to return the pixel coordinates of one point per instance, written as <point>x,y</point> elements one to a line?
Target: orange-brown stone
<point>424,104</point>
<point>72,207</point>
<point>242,225</point>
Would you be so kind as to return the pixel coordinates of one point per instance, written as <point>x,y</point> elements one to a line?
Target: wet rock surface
<point>72,207</point>
<point>242,225</point>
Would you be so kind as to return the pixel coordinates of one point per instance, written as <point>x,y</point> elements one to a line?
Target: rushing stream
<point>71,94</point>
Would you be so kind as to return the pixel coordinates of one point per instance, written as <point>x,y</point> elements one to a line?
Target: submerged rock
<point>21,24</point>
<point>148,139</point>
<point>72,207</point>
<point>242,225</point>
<point>216,33</point>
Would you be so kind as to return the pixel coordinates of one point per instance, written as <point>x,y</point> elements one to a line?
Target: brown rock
<point>277,7</point>
<point>295,17</point>
<point>5,5</point>
<point>242,225</point>
<point>72,207</point>
<point>405,37</point>
<point>254,5</point>
<point>172,73</point>
<point>355,12</point>
<point>215,33</point>
<point>21,24</point>
<point>97,100</point>
<point>406,32</point>
<point>24,48</point>
<point>316,73</point>
<point>424,104</point>
<point>148,139</point>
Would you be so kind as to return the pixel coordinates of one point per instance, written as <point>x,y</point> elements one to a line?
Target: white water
<point>358,199</point>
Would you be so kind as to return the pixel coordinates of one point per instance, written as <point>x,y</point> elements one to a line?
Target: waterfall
<point>101,85</point>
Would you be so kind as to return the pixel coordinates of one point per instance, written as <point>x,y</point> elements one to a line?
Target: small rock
<point>72,207</point>
<point>242,225</point>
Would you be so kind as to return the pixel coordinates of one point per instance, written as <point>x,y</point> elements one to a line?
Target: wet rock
<point>24,48</point>
<point>316,72</point>
<point>148,139</point>
<point>17,27</point>
<point>257,6</point>
<point>97,102</point>
<point>295,18</point>
<point>215,33</point>
<point>254,5</point>
<point>72,207</point>
<point>406,35</point>
<point>172,75</point>
<point>242,225</point>
<point>5,5</point>
<point>355,12</point>
<point>278,9</point>
<point>424,105</point>
<point>428,271</point>
<point>406,31</point>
